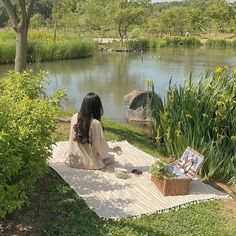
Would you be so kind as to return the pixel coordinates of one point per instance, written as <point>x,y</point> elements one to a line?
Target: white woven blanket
<point>111,197</point>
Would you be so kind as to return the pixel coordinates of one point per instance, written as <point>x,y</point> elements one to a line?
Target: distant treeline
<point>134,18</point>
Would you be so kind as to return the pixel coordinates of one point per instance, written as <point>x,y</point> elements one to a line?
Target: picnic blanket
<point>111,197</point>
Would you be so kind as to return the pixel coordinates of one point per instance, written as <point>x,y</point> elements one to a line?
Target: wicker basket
<point>172,186</point>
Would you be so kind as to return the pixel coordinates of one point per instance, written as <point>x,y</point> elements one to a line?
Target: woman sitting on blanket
<point>88,148</point>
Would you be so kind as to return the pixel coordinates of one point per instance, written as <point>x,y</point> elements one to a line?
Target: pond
<point>114,75</point>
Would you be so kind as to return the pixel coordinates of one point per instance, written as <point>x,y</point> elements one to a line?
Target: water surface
<point>114,75</point>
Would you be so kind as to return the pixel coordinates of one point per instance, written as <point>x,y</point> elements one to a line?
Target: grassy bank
<point>149,43</point>
<point>41,47</point>
<point>55,209</point>
<point>221,43</point>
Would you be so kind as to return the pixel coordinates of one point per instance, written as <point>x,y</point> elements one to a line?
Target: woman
<point>88,148</point>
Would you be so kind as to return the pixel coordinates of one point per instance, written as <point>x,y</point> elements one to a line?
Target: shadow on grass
<point>55,209</point>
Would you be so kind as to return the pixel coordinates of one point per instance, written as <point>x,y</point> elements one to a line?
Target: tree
<point>96,16</point>
<point>20,17</point>
<point>196,21</point>
<point>60,8</point>
<point>3,16</point>
<point>171,21</point>
<point>127,13</point>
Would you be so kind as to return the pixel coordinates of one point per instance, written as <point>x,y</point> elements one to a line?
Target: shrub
<point>203,116</point>
<point>27,122</point>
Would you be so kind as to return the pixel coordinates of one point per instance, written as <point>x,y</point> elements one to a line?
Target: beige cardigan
<point>88,155</point>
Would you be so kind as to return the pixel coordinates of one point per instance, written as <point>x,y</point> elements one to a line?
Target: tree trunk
<point>21,49</point>
<point>55,32</point>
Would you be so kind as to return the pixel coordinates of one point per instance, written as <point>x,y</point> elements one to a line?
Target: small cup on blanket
<point>121,173</point>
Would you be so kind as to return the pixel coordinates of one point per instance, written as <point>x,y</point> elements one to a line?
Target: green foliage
<point>182,41</point>
<point>159,169</point>
<point>126,14</point>
<point>138,44</point>
<point>150,43</point>
<point>221,43</point>
<point>7,52</point>
<point>38,51</point>
<point>41,47</point>
<point>203,116</point>
<point>27,121</point>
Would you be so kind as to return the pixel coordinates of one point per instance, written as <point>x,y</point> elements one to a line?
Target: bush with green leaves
<point>201,115</point>
<point>160,170</point>
<point>27,122</point>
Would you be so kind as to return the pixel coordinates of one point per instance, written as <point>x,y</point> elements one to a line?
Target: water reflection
<point>114,75</point>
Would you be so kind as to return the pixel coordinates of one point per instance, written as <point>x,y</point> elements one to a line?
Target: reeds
<point>221,43</point>
<point>41,47</point>
<point>201,115</point>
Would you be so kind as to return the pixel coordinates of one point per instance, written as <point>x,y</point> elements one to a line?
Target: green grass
<point>55,209</point>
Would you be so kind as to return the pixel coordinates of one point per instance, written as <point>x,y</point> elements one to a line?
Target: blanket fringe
<point>175,208</point>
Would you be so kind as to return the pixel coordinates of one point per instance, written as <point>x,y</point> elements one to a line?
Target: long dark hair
<point>91,108</point>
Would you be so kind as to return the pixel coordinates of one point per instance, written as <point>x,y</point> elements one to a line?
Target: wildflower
<point>215,129</point>
<point>225,67</point>
<point>189,116</point>
<point>205,115</point>
<point>178,133</point>
<point>149,84</point>
<point>171,98</point>
<point>233,138</point>
<point>190,90</point>
<point>220,103</point>
<point>218,114</point>
<point>158,137</point>
<point>219,70</point>
<point>168,133</point>
<point>209,86</point>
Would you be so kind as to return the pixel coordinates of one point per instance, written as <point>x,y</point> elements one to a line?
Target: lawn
<point>55,209</point>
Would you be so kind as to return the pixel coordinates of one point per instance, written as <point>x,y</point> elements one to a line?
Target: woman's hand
<point>117,149</point>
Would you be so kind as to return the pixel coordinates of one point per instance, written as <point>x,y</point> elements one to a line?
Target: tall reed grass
<point>221,43</point>
<point>150,43</point>
<point>41,47</point>
<point>38,51</point>
<point>174,41</point>
<point>182,41</point>
<point>201,115</point>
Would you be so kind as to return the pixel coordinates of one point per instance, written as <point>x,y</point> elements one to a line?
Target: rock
<point>139,105</point>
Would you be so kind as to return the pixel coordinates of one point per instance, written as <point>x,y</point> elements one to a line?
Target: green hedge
<point>27,122</point>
